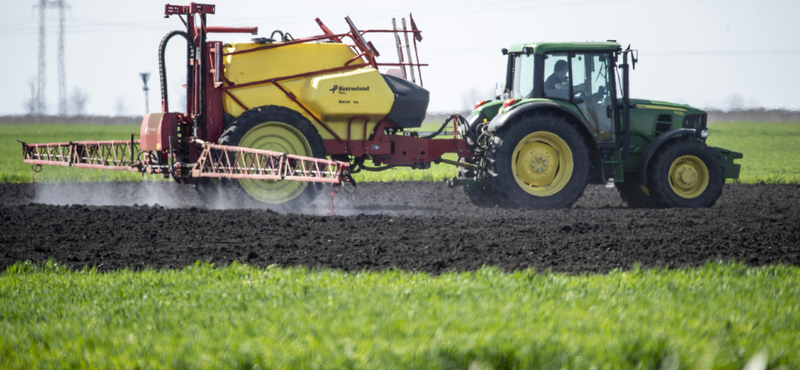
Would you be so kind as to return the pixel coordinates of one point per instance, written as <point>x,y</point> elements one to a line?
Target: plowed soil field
<point>411,226</point>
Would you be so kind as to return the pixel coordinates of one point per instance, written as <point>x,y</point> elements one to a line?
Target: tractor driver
<point>557,85</point>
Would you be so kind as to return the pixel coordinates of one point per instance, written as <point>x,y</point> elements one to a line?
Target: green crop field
<point>717,316</point>
<point>770,150</point>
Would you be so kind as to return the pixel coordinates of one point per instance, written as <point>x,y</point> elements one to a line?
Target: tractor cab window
<point>523,76</point>
<point>591,86</point>
<point>556,68</point>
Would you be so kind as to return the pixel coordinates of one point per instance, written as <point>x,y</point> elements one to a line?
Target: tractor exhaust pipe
<point>626,106</point>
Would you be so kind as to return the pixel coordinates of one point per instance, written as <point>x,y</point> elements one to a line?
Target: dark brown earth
<point>410,226</point>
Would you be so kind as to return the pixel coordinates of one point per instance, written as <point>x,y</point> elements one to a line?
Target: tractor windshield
<point>523,76</point>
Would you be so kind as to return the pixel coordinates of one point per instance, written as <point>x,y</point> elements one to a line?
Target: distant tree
<point>182,101</point>
<point>468,98</point>
<point>474,95</point>
<point>78,101</point>
<point>30,104</point>
<point>120,109</point>
<point>735,101</point>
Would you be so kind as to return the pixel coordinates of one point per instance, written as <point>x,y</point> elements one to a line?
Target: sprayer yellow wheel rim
<point>688,176</point>
<point>542,163</point>
<point>279,137</point>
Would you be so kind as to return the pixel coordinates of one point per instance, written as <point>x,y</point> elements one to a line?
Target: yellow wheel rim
<point>688,176</point>
<point>279,137</point>
<point>542,164</point>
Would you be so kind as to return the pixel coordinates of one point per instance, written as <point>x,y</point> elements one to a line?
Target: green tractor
<point>566,119</point>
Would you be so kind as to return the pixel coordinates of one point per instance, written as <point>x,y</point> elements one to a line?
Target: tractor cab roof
<point>549,47</point>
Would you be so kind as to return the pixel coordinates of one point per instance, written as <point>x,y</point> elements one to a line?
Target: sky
<point>716,53</point>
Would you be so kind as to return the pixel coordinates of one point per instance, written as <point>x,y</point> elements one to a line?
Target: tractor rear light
<point>478,104</point>
<point>509,103</point>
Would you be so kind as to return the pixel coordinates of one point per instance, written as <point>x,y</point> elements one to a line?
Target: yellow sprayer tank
<point>335,97</point>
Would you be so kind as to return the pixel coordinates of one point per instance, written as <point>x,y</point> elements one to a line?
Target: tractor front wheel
<point>540,162</point>
<point>686,173</point>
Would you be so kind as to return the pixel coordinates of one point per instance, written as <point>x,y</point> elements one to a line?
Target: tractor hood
<point>666,106</point>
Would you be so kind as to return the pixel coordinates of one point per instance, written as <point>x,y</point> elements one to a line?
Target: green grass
<point>770,150</point>
<point>717,316</point>
<point>437,172</point>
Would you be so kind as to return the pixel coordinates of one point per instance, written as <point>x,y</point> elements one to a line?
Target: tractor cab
<point>580,77</point>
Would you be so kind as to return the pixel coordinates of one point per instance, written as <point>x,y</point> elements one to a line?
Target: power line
<point>724,52</point>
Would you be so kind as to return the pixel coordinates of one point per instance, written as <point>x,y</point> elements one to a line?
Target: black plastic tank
<point>410,102</point>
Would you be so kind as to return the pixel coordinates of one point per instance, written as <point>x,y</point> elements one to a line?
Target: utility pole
<point>41,77</point>
<point>145,77</point>
<point>62,73</point>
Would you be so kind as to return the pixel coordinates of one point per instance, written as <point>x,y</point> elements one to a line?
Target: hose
<point>272,36</point>
<point>376,169</point>
<point>284,37</point>
<point>162,69</point>
<point>459,120</point>
<point>439,131</point>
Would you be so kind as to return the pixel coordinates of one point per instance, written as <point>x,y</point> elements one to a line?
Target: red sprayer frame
<point>215,161</point>
<point>183,145</point>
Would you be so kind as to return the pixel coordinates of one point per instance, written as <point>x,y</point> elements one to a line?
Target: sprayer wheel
<point>273,128</point>
<point>218,195</point>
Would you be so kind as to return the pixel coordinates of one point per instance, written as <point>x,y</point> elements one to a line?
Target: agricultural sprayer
<point>274,119</point>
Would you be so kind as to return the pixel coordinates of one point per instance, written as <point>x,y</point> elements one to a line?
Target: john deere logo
<point>345,89</point>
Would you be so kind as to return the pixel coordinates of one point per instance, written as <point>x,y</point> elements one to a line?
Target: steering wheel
<point>582,94</point>
<point>599,98</point>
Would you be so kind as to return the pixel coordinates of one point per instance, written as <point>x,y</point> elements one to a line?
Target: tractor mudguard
<point>651,148</point>
<point>501,119</point>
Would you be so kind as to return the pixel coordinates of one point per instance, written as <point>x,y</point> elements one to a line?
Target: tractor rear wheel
<point>636,196</point>
<point>541,162</point>
<point>686,173</point>
<point>273,128</point>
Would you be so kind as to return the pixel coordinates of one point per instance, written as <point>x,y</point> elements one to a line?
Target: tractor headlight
<point>703,134</point>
